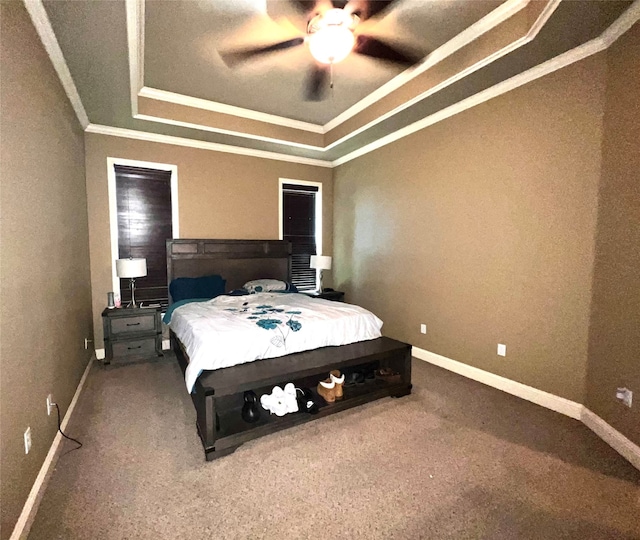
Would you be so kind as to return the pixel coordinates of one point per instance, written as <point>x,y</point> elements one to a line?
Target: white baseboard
<point>100,354</point>
<point>539,397</point>
<point>621,444</point>
<point>21,530</point>
<point>612,437</point>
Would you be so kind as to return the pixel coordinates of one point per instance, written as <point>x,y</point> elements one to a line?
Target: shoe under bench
<point>218,395</point>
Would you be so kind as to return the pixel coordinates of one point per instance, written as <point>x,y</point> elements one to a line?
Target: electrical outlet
<point>49,404</point>
<point>27,440</point>
<point>502,349</point>
<point>423,328</point>
<point>625,395</point>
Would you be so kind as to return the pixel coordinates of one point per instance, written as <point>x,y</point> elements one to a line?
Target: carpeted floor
<point>456,459</point>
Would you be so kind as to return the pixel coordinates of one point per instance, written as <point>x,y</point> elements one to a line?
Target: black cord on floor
<point>62,432</point>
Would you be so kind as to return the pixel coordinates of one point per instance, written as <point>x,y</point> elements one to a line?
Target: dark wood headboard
<point>237,261</point>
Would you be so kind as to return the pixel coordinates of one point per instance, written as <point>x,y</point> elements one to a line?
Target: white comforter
<point>230,330</point>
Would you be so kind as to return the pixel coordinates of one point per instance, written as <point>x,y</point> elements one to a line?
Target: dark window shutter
<point>299,228</point>
<point>144,224</point>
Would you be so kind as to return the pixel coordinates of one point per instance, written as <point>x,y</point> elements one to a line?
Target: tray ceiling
<point>154,66</point>
<point>181,53</point>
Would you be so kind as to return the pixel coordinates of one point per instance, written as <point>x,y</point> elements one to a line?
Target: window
<point>143,198</point>
<point>301,225</point>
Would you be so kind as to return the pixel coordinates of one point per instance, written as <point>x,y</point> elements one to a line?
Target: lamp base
<point>132,287</point>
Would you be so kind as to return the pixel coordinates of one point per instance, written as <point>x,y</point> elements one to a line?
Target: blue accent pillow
<point>202,287</point>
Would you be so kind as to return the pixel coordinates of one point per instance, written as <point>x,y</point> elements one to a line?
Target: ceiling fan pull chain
<point>331,75</point>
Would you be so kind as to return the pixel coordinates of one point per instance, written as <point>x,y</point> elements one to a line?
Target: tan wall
<point>220,196</point>
<point>483,227</point>
<point>45,291</point>
<point>614,351</point>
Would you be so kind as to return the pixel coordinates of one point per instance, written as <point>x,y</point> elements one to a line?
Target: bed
<point>218,395</point>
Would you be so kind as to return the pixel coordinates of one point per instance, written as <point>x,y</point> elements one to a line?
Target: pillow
<point>203,287</point>
<point>265,285</point>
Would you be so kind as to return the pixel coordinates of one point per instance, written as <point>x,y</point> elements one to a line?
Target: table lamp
<point>320,262</point>
<point>132,269</point>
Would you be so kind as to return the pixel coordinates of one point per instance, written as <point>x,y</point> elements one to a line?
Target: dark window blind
<point>299,228</point>
<point>144,225</point>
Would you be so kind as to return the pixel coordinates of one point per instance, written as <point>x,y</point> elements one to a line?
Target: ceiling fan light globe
<point>331,44</point>
<point>336,16</point>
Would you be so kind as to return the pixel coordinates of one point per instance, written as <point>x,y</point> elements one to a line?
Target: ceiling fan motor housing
<point>330,35</point>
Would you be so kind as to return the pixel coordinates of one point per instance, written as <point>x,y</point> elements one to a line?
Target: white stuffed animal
<point>280,402</point>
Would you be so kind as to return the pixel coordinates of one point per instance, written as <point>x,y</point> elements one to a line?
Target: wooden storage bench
<point>218,395</point>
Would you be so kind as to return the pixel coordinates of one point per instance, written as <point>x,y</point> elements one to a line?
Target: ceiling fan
<point>332,34</point>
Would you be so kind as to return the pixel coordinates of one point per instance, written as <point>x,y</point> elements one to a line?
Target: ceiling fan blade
<point>375,48</point>
<point>235,57</point>
<point>317,81</point>
<point>366,9</point>
<point>311,7</point>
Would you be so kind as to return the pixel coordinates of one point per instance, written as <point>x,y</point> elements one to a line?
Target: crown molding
<point>621,24</point>
<point>198,103</point>
<point>602,42</point>
<point>203,145</point>
<point>135,25</point>
<point>528,37</point>
<point>565,59</point>
<point>542,19</point>
<point>135,43</point>
<point>201,127</point>
<point>489,21</point>
<point>497,16</point>
<point>433,90</point>
<point>43,27</point>
<point>135,40</point>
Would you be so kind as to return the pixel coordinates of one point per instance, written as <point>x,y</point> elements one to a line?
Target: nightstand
<point>336,296</point>
<point>131,333</point>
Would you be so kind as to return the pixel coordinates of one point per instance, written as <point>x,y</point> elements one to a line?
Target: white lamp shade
<point>131,268</point>
<point>320,262</point>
